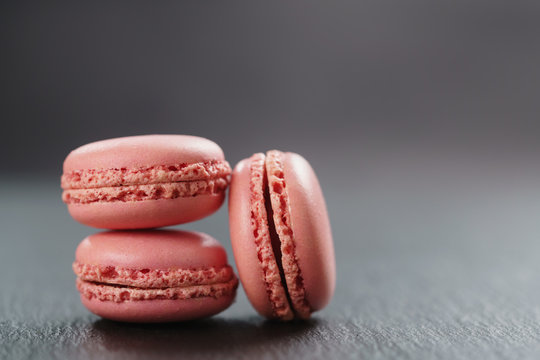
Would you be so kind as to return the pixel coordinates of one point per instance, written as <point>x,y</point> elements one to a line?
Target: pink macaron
<point>144,181</point>
<point>281,235</point>
<point>153,275</point>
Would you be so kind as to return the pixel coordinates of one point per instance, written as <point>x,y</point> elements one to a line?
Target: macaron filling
<point>274,238</point>
<point>155,278</point>
<point>282,222</point>
<point>118,293</point>
<point>118,284</point>
<point>145,192</point>
<point>146,183</point>
<point>260,222</point>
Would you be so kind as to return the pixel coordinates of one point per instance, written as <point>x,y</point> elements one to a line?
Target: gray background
<point>421,119</point>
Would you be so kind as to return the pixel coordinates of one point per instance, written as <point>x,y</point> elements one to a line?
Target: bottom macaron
<point>154,275</point>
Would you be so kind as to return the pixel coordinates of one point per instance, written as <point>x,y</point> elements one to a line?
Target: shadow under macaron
<point>212,336</point>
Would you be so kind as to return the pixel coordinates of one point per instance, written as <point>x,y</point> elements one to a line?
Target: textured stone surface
<point>435,260</point>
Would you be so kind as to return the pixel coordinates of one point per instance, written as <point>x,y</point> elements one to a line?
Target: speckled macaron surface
<point>281,235</point>
<point>144,181</point>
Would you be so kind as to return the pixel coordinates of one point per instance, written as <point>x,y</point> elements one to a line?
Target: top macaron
<point>144,181</point>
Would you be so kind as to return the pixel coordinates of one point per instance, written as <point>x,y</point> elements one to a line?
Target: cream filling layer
<point>282,220</point>
<point>97,178</point>
<point>117,293</point>
<point>263,242</point>
<point>145,192</point>
<point>146,278</point>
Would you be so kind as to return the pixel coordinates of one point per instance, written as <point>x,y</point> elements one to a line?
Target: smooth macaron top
<point>152,249</point>
<point>143,151</point>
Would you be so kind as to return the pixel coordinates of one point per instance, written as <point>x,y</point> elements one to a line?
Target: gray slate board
<point>434,261</point>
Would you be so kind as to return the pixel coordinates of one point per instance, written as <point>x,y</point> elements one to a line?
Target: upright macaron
<point>281,235</point>
<point>144,181</point>
<point>153,275</point>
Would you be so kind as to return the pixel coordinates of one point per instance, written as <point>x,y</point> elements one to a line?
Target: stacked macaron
<point>279,229</point>
<point>143,182</point>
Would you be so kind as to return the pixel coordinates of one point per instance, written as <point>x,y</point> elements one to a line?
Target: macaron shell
<point>146,213</point>
<point>311,228</point>
<point>158,310</point>
<point>243,242</point>
<point>141,151</point>
<point>152,249</point>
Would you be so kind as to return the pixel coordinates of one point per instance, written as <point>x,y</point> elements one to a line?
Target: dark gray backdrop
<point>420,117</point>
<point>332,81</point>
